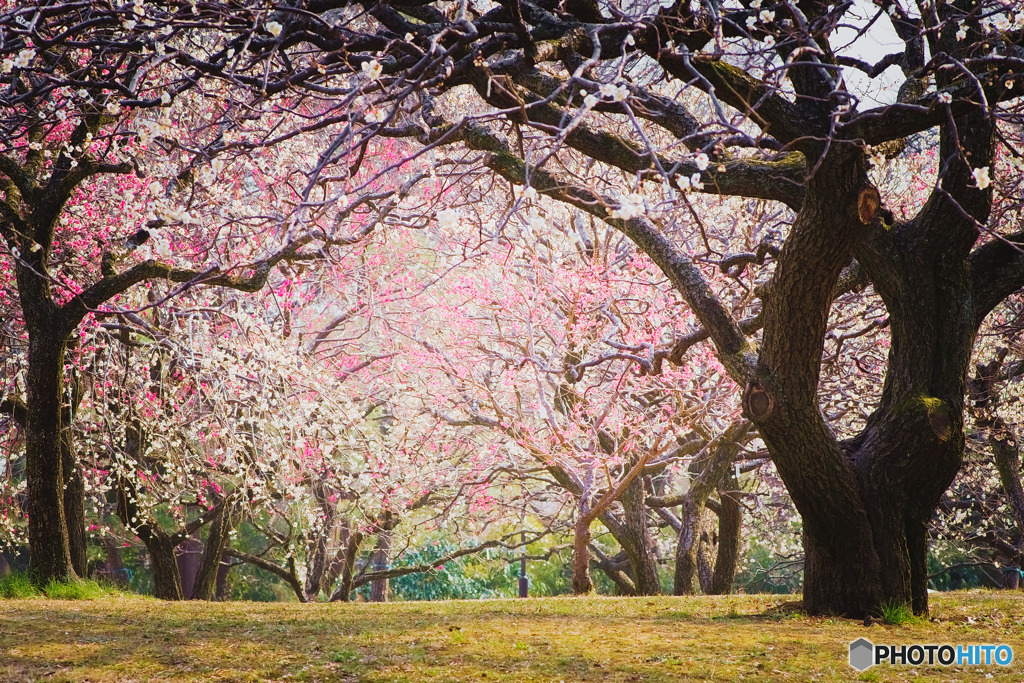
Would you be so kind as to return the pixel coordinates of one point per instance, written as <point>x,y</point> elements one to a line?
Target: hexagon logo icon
<point>861,654</point>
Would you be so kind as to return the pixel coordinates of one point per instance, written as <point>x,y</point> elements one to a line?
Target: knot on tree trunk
<point>757,401</point>
<point>868,203</point>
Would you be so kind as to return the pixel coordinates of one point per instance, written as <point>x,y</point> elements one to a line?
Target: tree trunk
<point>634,535</point>
<point>47,528</point>
<point>687,545</point>
<point>222,577</point>
<point>74,512</point>
<point>344,591</point>
<point>189,553</point>
<point>114,570</point>
<point>74,483</point>
<point>707,551</point>
<point>159,544</point>
<point>581,582</point>
<point>730,523</point>
<point>216,542</point>
<point>164,565</point>
<point>380,589</point>
<point>718,457</point>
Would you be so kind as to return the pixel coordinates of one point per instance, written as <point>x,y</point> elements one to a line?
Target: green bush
<point>896,613</point>
<point>79,589</point>
<point>16,586</point>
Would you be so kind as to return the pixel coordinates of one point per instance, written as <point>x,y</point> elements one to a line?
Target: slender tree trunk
<point>216,542</point>
<point>344,591</point>
<point>47,528</point>
<point>709,472</point>
<point>1007,460</point>
<point>581,581</point>
<point>114,570</point>
<point>189,553</point>
<point>687,546</point>
<point>634,535</point>
<point>74,483</point>
<point>222,576</point>
<point>707,551</point>
<point>164,565</point>
<point>159,544</point>
<point>730,524</point>
<point>74,513</point>
<point>381,588</point>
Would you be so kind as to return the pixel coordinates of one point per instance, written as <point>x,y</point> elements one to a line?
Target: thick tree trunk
<point>47,528</point>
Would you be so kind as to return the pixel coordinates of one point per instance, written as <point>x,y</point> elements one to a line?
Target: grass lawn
<point>749,637</point>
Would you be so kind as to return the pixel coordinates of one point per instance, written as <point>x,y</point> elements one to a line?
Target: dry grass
<point>569,639</point>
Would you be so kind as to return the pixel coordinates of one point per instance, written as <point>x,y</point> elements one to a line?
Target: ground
<point>746,637</point>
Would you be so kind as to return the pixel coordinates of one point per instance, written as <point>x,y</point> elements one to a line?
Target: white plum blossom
<point>374,116</point>
<point>695,182</point>
<point>24,58</point>
<point>274,28</point>
<point>766,15</point>
<point>702,161</point>
<point>877,160</point>
<point>615,92</point>
<point>769,41</point>
<point>447,219</point>
<point>630,40</point>
<point>590,101</point>
<point>527,193</point>
<point>372,69</point>
<point>630,206</point>
<point>537,224</point>
<point>981,177</point>
<point>683,182</point>
<point>751,20</point>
